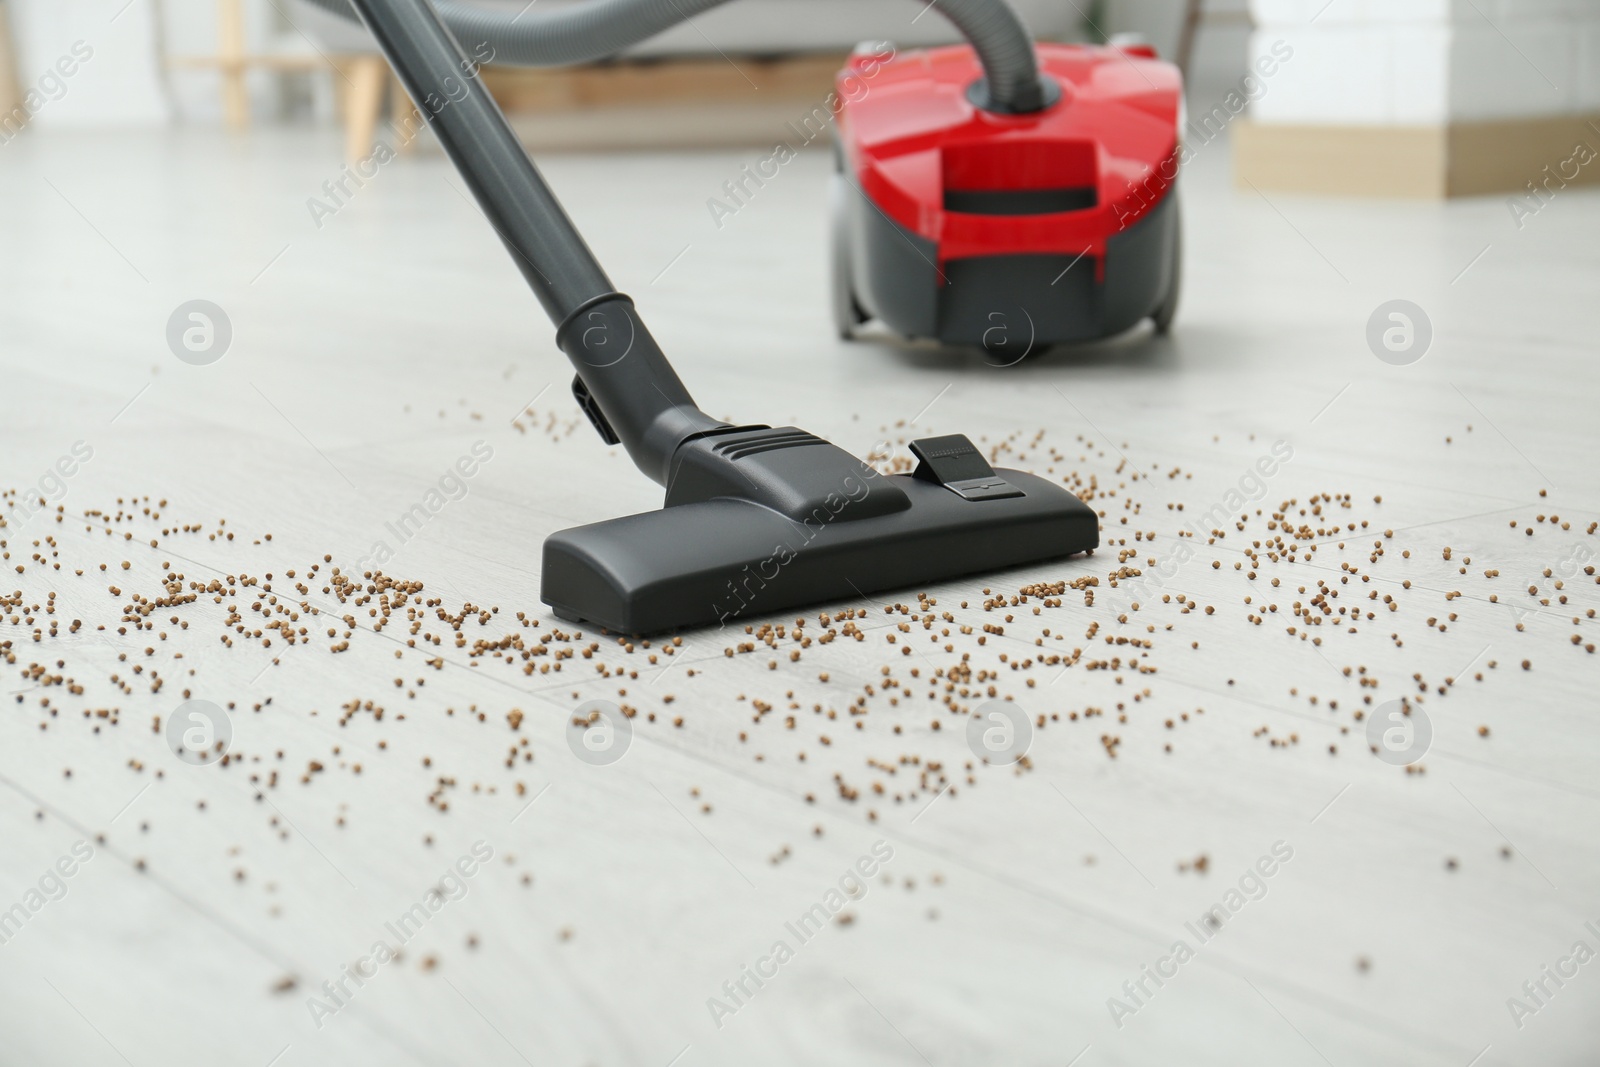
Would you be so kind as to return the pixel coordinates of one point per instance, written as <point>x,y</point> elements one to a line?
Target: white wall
<point>118,84</point>
<point>124,83</point>
<point>1221,48</point>
<point>1430,62</point>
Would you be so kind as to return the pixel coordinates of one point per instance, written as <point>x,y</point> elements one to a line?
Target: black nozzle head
<point>777,518</point>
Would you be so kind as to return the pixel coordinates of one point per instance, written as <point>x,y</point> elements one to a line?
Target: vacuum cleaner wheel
<point>1168,308</point>
<point>847,313</point>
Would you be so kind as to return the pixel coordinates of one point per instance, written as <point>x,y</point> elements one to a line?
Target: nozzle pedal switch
<point>591,408</point>
<point>954,462</point>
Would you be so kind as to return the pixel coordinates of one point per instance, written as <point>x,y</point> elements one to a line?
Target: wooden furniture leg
<point>1193,13</point>
<point>363,104</point>
<point>231,61</point>
<point>10,90</point>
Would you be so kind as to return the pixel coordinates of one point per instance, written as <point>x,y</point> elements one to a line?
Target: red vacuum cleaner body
<point>1007,231</point>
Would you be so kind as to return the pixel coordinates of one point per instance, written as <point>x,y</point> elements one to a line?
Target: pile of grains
<point>1316,570</point>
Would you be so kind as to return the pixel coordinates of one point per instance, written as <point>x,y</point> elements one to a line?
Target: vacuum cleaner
<point>757,519</point>
<point>1009,223</point>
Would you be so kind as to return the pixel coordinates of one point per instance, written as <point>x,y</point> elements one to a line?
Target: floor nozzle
<point>760,519</point>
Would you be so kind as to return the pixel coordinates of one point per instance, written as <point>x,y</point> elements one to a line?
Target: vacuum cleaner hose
<point>593,29</point>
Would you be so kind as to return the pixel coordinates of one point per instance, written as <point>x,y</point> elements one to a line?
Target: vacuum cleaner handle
<point>622,371</point>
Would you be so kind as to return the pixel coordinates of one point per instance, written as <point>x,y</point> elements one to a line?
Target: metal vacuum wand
<point>757,518</point>
<point>624,382</point>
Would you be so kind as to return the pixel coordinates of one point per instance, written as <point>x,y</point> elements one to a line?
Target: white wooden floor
<point>370,354</point>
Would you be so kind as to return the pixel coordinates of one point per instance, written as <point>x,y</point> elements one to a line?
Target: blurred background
<point>1425,98</point>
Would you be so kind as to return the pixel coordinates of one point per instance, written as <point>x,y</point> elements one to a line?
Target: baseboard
<point>1501,157</point>
<point>1433,162</point>
<point>1342,160</point>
